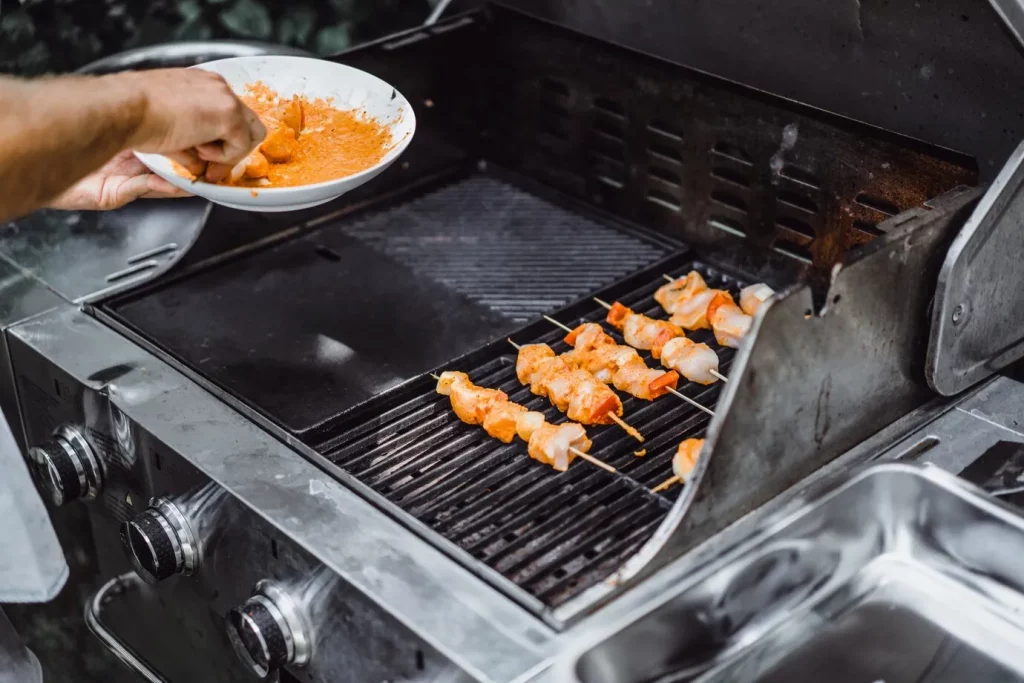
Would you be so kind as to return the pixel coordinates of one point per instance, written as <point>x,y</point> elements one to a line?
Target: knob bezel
<point>287,618</point>
<point>178,533</point>
<point>88,474</point>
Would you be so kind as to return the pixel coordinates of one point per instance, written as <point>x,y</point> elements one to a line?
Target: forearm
<point>55,131</point>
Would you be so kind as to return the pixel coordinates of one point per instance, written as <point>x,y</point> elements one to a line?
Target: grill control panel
<point>269,631</point>
<point>66,467</point>
<point>159,542</point>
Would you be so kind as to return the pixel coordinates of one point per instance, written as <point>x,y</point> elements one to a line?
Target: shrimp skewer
<point>683,462</point>
<point>554,445</point>
<point>689,301</point>
<point>592,334</point>
<point>667,342</point>
<point>575,392</point>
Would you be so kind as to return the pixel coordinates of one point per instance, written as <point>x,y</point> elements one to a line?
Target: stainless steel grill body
<point>272,382</point>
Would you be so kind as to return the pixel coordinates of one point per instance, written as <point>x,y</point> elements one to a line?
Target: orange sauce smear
<point>332,144</point>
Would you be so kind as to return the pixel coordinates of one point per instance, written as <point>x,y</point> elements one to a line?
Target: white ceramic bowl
<point>350,88</point>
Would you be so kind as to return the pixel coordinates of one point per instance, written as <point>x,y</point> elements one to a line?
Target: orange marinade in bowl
<point>308,141</point>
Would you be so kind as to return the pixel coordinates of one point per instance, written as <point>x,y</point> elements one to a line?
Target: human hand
<point>193,117</point>
<point>121,180</point>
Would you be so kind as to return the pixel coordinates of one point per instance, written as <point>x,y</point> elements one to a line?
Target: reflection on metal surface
<point>977,317</point>
<point>760,446</point>
<point>876,549</point>
<point>114,588</point>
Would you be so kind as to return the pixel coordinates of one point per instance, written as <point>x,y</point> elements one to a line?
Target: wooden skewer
<point>555,322</point>
<point>667,483</point>
<point>669,277</point>
<point>514,345</point>
<point>614,418</point>
<point>592,460</point>
<point>691,401</point>
<point>575,451</point>
<point>603,303</point>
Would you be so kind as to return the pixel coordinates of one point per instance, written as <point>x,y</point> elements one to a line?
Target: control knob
<point>269,632</point>
<point>67,467</point>
<point>159,542</point>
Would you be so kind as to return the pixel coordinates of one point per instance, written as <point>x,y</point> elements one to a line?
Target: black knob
<point>159,542</point>
<point>60,471</point>
<point>66,467</point>
<point>261,634</point>
<point>268,631</point>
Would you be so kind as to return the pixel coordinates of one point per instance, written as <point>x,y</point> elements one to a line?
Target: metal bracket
<point>978,313</point>
<point>93,619</point>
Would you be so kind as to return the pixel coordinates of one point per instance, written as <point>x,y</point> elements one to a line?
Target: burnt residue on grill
<point>552,534</point>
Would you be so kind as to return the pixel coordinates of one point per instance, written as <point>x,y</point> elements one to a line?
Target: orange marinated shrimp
<point>753,296</point>
<point>679,291</point>
<point>550,444</point>
<point>693,361</point>
<point>553,444</point>
<point>686,457</point>
<point>728,320</point>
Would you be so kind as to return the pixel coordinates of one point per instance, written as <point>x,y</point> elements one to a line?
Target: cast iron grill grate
<point>553,535</point>
<point>504,248</point>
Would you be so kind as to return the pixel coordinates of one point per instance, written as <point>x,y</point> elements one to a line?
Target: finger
<point>158,187</point>
<point>238,142</point>
<point>125,192</point>
<point>189,158</point>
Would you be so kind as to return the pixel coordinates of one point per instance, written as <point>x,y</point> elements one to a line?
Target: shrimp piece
<point>728,320</point>
<point>253,166</point>
<point>753,296</point>
<point>280,144</point>
<point>691,360</point>
<point>686,457</point>
<point>681,290</point>
<point>448,379</point>
<point>501,419</point>
<point>530,360</point>
<point>692,313</point>
<point>472,403</point>
<point>529,422</point>
<point>591,401</point>
<point>551,443</point>
<point>291,114</point>
<point>641,331</point>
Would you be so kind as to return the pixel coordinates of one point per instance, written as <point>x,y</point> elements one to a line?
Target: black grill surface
<point>509,250</point>
<point>553,535</point>
<point>309,328</point>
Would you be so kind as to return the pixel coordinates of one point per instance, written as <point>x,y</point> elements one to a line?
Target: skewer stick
<point>615,418</point>
<point>558,324</point>
<point>603,303</point>
<point>667,483</point>
<point>691,401</point>
<point>719,375</point>
<point>668,277</point>
<point>514,345</point>
<point>435,377</point>
<point>592,460</point>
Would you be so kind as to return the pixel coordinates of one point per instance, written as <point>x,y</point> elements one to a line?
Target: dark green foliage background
<point>41,36</point>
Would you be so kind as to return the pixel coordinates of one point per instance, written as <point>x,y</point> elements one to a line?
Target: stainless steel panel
<point>862,557</point>
<point>160,434</point>
<point>977,318</point>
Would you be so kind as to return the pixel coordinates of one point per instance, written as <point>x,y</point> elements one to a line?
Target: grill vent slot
<point>878,204</point>
<point>553,535</point>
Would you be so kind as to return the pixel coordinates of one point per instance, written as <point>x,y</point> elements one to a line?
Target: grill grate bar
<point>552,534</point>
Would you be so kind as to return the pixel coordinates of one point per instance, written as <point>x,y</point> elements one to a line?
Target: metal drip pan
<point>902,574</point>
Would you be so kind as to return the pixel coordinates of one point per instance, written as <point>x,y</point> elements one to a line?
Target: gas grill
<point>252,406</point>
